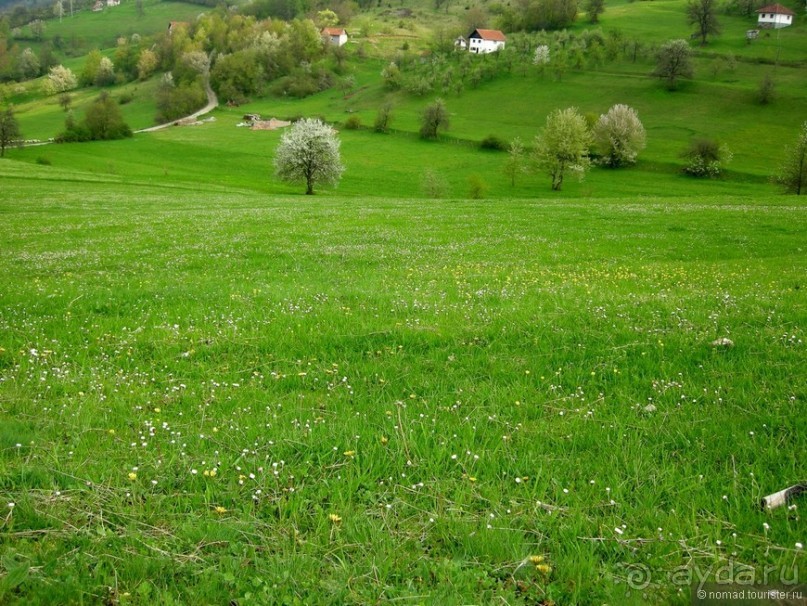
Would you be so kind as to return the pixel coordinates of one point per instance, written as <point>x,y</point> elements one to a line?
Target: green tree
<point>703,15</point>
<point>104,121</point>
<point>619,136</point>
<point>9,130</point>
<point>90,70</point>
<point>562,146</point>
<point>146,63</point>
<point>435,117</point>
<point>594,8</point>
<point>383,118</point>
<point>793,172</point>
<point>673,62</point>
<point>309,152</point>
<point>515,164</point>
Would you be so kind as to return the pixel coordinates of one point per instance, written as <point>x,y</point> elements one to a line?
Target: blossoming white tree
<point>60,79</point>
<point>309,152</point>
<point>619,136</point>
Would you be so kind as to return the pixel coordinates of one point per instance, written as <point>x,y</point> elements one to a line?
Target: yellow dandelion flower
<point>543,568</point>
<point>212,473</point>
<point>349,453</point>
<point>111,432</point>
<point>157,410</point>
<point>384,439</point>
<point>220,509</point>
<point>336,519</point>
<point>206,473</point>
<point>132,475</point>
<point>536,559</point>
<point>471,478</point>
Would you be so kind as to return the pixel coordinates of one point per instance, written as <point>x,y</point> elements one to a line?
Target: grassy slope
<point>355,346</point>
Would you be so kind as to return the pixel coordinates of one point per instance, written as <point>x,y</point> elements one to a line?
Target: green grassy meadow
<point>230,397</point>
<point>217,390</point>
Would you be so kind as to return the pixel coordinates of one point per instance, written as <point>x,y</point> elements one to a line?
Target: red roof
<point>334,31</point>
<point>776,9</point>
<point>489,34</point>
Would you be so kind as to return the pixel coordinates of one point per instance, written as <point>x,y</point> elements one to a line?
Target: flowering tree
<point>619,136</point>
<point>563,145</point>
<point>60,79</point>
<point>309,152</point>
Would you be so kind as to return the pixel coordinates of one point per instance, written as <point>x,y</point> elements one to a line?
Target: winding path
<point>212,103</point>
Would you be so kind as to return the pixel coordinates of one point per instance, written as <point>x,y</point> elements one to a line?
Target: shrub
<point>43,161</point>
<point>706,158</point>
<point>353,123</point>
<point>433,184</point>
<point>494,143</point>
<point>477,188</point>
<point>766,91</point>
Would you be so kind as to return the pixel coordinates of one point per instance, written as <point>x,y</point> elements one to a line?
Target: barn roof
<point>334,31</point>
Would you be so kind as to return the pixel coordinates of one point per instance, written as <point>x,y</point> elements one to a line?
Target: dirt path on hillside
<point>212,103</point>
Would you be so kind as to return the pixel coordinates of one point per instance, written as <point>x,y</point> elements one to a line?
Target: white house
<point>334,35</point>
<point>481,41</point>
<point>113,2</point>
<point>775,16</point>
<point>461,43</point>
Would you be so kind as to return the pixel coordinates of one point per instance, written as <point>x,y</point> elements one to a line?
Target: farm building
<point>336,36</point>
<point>775,16</point>
<point>481,41</point>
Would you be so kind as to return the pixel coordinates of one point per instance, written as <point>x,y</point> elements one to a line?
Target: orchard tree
<point>619,136</point>
<point>562,146</point>
<point>703,15</point>
<point>435,117</point>
<point>673,62</point>
<point>60,79</point>
<point>9,130</point>
<point>793,173</point>
<point>309,152</point>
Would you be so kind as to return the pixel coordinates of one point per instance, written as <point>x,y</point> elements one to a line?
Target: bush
<point>353,123</point>
<point>433,184</point>
<point>477,188</point>
<point>126,98</point>
<point>494,143</point>
<point>706,158</point>
<point>766,91</point>
<point>43,161</point>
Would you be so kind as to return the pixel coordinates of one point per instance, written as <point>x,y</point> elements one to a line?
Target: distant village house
<point>482,41</point>
<point>775,16</point>
<point>335,36</point>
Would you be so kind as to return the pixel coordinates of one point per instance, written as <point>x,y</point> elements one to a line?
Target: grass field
<point>225,397</point>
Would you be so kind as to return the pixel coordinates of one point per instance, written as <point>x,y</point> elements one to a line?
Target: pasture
<point>224,396</point>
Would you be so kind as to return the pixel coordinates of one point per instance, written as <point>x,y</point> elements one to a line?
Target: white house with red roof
<point>334,35</point>
<point>481,41</point>
<point>775,16</point>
